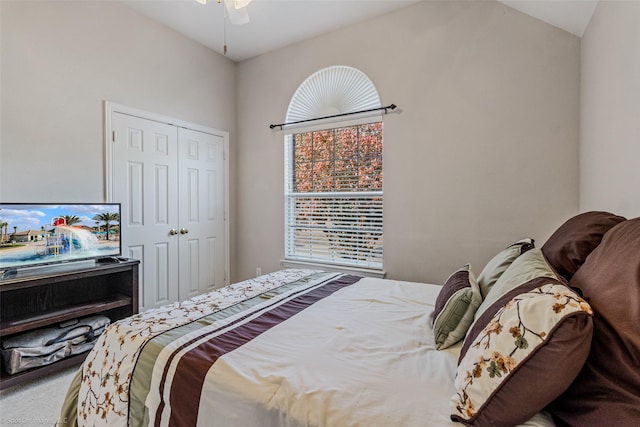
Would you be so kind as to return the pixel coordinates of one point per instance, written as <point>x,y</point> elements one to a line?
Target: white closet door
<point>145,181</point>
<point>201,211</point>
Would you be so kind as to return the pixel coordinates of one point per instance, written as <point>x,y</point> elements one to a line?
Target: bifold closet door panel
<point>145,181</point>
<point>201,211</point>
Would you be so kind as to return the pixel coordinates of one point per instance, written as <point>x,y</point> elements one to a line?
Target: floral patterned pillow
<point>524,356</point>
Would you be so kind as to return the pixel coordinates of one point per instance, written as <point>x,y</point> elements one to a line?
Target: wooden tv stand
<point>50,297</point>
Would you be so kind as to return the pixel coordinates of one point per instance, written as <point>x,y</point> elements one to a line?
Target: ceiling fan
<point>237,13</point>
<point>236,10</point>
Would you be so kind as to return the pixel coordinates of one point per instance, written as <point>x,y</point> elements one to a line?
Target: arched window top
<point>333,90</point>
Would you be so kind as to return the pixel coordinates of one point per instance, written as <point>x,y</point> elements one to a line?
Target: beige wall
<point>610,110</point>
<point>483,151</point>
<point>61,59</point>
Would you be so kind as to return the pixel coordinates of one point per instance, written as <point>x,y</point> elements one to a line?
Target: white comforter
<point>328,366</point>
<point>361,355</point>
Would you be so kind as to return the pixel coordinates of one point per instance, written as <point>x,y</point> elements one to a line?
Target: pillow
<point>569,245</point>
<point>524,350</point>
<point>455,306</point>
<point>531,265</point>
<point>499,263</point>
<point>607,390</point>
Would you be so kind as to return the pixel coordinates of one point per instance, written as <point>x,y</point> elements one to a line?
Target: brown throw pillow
<point>607,390</point>
<point>573,241</point>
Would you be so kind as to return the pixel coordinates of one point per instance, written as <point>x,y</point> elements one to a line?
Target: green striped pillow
<point>456,305</point>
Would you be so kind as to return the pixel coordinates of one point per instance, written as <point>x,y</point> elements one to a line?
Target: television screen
<point>38,234</point>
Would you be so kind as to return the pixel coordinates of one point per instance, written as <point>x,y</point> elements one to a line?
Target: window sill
<point>366,272</point>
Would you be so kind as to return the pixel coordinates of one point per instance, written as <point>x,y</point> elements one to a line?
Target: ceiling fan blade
<point>236,16</point>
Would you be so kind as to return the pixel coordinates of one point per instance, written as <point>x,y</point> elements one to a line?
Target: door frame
<point>111,107</point>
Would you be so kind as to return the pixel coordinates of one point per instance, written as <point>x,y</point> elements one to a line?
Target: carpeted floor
<point>36,403</point>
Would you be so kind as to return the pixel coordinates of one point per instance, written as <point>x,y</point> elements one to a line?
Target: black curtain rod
<point>388,107</point>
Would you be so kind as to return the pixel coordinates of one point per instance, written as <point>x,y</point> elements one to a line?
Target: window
<point>334,195</point>
<point>333,172</point>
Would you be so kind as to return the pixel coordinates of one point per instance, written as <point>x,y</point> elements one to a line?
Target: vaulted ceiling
<point>277,23</point>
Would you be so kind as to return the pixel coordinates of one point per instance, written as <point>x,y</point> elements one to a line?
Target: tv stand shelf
<point>60,315</point>
<point>47,299</point>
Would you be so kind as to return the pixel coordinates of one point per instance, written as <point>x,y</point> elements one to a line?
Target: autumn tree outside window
<point>334,196</point>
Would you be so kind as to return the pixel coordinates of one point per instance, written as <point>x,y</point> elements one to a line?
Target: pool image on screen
<point>39,234</point>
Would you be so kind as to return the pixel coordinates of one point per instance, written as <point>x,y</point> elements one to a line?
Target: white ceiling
<point>570,15</point>
<point>277,23</point>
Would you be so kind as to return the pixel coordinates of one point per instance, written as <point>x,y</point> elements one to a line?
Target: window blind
<point>334,196</point>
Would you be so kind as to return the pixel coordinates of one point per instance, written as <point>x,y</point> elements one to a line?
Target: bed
<point>313,348</point>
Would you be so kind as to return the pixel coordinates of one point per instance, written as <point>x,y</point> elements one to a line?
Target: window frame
<point>374,265</point>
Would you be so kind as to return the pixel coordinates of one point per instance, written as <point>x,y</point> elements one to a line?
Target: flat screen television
<point>33,235</point>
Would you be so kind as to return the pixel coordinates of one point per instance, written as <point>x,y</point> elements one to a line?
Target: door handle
<point>183,231</point>
<point>173,232</point>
